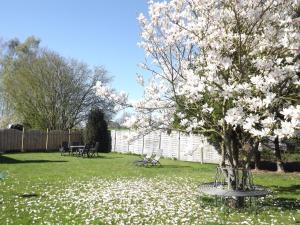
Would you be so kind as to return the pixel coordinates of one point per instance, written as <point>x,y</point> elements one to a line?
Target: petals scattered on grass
<point>127,201</point>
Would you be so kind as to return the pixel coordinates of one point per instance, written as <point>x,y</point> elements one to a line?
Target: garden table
<point>75,148</point>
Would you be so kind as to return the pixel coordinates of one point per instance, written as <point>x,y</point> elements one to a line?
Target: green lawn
<point>46,188</point>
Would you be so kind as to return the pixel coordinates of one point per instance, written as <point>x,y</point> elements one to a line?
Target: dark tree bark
<point>256,156</point>
<point>223,154</point>
<point>235,149</point>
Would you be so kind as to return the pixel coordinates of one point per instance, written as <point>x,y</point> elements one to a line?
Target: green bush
<point>97,131</point>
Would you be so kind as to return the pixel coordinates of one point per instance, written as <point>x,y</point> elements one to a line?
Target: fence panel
<point>75,136</point>
<point>136,146</point>
<point>152,142</point>
<point>10,140</point>
<point>122,141</point>
<point>175,145</point>
<point>186,147</point>
<point>56,137</point>
<point>210,154</point>
<point>170,144</point>
<point>35,140</point>
<point>198,148</point>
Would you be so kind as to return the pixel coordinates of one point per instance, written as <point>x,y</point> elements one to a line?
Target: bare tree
<point>46,90</point>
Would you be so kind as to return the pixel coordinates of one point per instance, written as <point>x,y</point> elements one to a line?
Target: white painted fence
<point>176,145</point>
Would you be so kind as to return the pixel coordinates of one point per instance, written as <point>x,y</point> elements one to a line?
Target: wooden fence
<point>12,140</point>
<point>176,145</point>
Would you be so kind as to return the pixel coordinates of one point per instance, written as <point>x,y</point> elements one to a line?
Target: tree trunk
<point>235,149</point>
<point>236,202</point>
<point>256,156</point>
<point>257,160</point>
<point>223,154</point>
<point>234,176</point>
<point>249,149</point>
<point>279,161</point>
<point>237,179</point>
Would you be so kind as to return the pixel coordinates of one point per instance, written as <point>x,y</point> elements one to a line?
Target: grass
<point>46,188</point>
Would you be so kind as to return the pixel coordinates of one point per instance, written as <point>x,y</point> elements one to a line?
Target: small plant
<point>3,174</point>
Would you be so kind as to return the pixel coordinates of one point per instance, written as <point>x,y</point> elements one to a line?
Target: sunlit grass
<point>48,188</point>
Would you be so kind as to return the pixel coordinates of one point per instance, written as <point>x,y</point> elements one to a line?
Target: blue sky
<point>98,32</point>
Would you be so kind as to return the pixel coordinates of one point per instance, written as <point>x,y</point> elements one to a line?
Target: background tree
<point>45,90</point>
<point>96,130</point>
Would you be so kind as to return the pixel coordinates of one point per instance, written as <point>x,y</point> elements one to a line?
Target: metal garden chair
<point>95,150</point>
<point>155,160</point>
<point>64,148</point>
<point>147,158</point>
<point>84,151</point>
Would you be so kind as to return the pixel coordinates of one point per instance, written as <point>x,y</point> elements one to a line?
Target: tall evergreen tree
<point>97,131</point>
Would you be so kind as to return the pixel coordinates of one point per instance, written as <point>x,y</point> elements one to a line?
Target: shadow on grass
<point>108,157</point>
<point>283,203</point>
<point>174,166</point>
<point>165,166</point>
<point>272,166</point>
<point>32,195</point>
<point>295,189</point>
<point>8,160</point>
<point>93,157</point>
<point>292,189</point>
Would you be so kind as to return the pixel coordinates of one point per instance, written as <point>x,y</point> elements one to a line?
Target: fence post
<point>159,144</point>
<point>178,145</point>
<point>69,137</point>
<point>47,138</point>
<point>201,152</point>
<point>128,142</point>
<point>22,147</point>
<point>115,145</point>
<point>143,145</point>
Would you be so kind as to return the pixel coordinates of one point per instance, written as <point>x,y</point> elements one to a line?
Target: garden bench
<point>224,195</point>
<point>215,190</point>
<point>245,188</point>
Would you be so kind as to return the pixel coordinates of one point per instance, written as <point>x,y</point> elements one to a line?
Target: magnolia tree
<point>225,68</point>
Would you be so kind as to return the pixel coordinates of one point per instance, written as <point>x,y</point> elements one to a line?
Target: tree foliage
<point>226,68</point>
<point>223,68</point>
<point>46,90</point>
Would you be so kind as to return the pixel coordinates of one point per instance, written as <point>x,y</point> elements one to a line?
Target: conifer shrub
<point>96,130</point>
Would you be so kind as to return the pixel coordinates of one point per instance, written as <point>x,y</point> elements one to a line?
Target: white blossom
<point>235,116</point>
<point>202,63</point>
